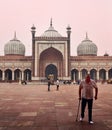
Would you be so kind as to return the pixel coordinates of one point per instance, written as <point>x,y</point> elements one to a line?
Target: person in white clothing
<point>86,96</point>
<point>57,84</point>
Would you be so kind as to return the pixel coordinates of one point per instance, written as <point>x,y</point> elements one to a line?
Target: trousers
<point>83,106</point>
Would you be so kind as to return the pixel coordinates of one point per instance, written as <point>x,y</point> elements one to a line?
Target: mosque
<point>51,56</point>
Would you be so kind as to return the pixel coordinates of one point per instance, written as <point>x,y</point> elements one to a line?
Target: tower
<point>68,44</point>
<point>33,28</point>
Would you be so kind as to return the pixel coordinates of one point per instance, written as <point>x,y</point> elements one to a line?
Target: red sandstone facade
<point>51,55</point>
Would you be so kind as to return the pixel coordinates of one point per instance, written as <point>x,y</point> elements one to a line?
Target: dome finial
<point>68,27</point>
<point>106,54</point>
<point>51,22</point>
<point>15,38</point>
<point>86,35</point>
<point>33,27</point>
<point>15,35</point>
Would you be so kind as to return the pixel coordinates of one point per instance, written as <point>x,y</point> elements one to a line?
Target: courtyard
<point>33,107</point>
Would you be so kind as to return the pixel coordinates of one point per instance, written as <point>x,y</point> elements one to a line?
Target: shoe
<point>91,122</point>
<point>81,119</point>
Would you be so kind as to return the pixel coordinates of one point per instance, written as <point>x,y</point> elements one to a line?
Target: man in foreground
<point>86,96</point>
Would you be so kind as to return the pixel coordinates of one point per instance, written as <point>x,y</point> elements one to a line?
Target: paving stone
<point>28,114</point>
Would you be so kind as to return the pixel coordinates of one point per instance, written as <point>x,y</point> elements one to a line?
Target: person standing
<point>57,84</point>
<point>49,83</point>
<point>86,96</point>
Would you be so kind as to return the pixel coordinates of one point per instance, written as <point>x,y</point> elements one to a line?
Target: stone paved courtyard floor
<point>32,107</point>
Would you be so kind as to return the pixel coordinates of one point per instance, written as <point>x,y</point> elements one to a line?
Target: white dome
<point>14,47</point>
<point>51,32</point>
<point>86,48</point>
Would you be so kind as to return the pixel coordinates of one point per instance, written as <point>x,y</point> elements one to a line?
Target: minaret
<point>68,35</point>
<point>68,31</point>
<point>33,28</point>
<point>68,46</point>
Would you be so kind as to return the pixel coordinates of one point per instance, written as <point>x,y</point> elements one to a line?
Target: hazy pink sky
<point>92,16</point>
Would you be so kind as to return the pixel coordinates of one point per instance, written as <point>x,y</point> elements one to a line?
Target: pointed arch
<point>102,74</point>
<point>17,73</point>
<point>74,75</point>
<point>27,75</point>
<point>93,74</point>
<point>51,56</point>
<point>8,75</point>
<point>110,74</point>
<point>84,73</point>
<point>0,74</point>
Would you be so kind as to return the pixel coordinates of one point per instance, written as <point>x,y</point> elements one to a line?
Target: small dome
<point>87,48</point>
<point>14,47</point>
<point>106,54</point>
<point>51,32</point>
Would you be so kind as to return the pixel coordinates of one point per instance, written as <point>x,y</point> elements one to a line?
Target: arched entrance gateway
<point>51,62</point>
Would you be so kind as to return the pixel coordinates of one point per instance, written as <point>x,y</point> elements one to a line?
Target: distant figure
<point>23,82</point>
<point>86,95</point>
<point>57,84</point>
<point>49,83</point>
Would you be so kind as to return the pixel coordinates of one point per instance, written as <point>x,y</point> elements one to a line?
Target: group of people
<point>86,95</point>
<point>49,84</point>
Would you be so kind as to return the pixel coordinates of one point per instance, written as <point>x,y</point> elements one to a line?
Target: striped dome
<point>14,47</point>
<point>87,48</point>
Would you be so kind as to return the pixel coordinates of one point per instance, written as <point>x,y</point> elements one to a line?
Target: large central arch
<point>51,61</point>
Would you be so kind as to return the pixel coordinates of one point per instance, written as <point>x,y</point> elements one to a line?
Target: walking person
<point>86,96</point>
<point>49,83</point>
<point>57,84</point>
